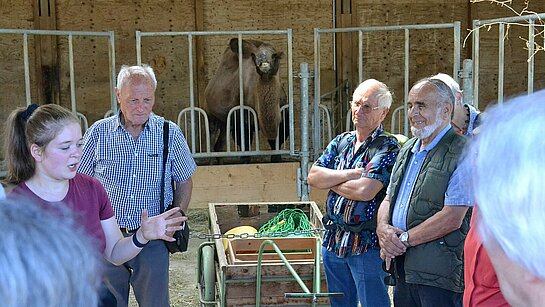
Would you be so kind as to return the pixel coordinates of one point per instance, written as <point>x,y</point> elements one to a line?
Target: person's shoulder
<point>458,143</point>
<point>156,122</point>
<point>17,190</point>
<point>390,138</point>
<point>85,180</point>
<point>104,123</point>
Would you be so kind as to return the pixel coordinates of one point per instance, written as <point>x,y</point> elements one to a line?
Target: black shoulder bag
<point>181,236</point>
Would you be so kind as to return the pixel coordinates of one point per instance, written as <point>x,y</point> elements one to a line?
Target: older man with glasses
<point>355,168</point>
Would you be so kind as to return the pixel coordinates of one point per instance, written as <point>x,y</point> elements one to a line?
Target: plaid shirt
<point>348,211</point>
<point>130,170</point>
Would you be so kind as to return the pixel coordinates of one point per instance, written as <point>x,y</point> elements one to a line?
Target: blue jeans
<point>360,278</point>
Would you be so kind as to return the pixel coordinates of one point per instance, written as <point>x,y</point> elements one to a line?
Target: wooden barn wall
<point>12,81</point>
<point>430,50</point>
<point>166,56</point>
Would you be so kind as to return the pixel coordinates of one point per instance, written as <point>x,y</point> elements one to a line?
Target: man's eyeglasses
<point>390,279</point>
<point>364,107</point>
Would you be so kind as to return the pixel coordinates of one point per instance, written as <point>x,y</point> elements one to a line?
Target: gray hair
<point>443,91</point>
<point>45,260</point>
<point>450,82</point>
<point>382,92</point>
<point>509,170</point>
<point>128,72</point>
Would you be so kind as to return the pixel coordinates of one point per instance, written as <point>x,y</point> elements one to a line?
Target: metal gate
<point>194,121</point>
<point>318,140</point>
<point>69,35</point>
<point>501,23</point>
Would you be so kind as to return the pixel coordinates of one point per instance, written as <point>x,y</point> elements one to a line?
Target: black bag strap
<point>165,156</point>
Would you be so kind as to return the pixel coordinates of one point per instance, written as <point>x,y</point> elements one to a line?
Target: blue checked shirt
<point>459,191</point>
<point>130,170</point>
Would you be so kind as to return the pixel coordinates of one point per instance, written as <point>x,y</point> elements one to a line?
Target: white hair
<point>509,171</point>
<point>381,91</point>
<point>128,72</point>
<point>46,261</point>
<point>452,84</point>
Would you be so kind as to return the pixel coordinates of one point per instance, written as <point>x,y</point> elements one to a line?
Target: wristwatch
<point>404,237</point>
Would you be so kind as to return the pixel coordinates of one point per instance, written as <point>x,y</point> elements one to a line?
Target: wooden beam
<point>46,68</point>
<point>344,42</point>
<point>472,13</point>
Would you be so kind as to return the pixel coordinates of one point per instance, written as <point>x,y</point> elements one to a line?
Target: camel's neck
<point>269,94</point>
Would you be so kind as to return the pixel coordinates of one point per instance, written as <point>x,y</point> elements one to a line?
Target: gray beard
<point>427,131</point>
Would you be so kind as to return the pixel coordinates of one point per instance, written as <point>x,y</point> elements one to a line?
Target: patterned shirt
<point>130,170</point>
<point>377,159</point>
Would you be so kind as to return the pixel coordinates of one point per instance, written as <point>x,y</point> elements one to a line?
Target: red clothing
<point>86,197</point>
<point>482,288</point>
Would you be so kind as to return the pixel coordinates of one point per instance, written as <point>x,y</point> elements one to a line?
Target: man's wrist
<point>404,238</point>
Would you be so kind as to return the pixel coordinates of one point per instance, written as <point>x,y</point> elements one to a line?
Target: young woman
<point>43,150</point>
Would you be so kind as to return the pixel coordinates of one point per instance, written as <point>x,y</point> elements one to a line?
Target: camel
<point>262,91</point>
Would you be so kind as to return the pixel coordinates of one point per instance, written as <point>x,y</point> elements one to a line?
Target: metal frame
<point>406,28</point>
<point>477,24</point>
<point>189,35</point>
<point>70,35</point>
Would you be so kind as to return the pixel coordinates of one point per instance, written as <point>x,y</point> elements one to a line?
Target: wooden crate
<point>245,251</point>
<point>236,277</point>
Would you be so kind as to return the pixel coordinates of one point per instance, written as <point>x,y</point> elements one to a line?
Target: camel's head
<point>264,56</point>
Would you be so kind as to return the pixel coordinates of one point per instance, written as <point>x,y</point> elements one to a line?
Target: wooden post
<point>199,49</point>
<point>346,51</point>
<point>47,69</point>
<point>344,41</point>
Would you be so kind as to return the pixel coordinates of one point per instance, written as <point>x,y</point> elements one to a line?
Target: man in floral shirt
<point>356,167</point>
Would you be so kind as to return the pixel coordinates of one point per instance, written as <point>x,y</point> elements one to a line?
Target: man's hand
<point>390,245</point>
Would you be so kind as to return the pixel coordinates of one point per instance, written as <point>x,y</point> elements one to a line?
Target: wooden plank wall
<point>12,82</point>
<point>247,183</point>
<point>169,57</point>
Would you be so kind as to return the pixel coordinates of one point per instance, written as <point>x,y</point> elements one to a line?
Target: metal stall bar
<point>406,85</point>
<point>72,78</point>
<point>27,69</point>
<point>290,93</point>
<point>111,55</point>
<point>69,35</point>
<point>457,39</point>
<point>531,57</point>
<point>476,61</point>
<point>316,133</point>
<point>317,31</point>
<point>305,155</point>
<point>191,90</point>
<point>239,34</point>
<point>138,35</point>
<point>477,24</point>
<point>241,100</point>
<point>501,59</point>
<point>360,57</point>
